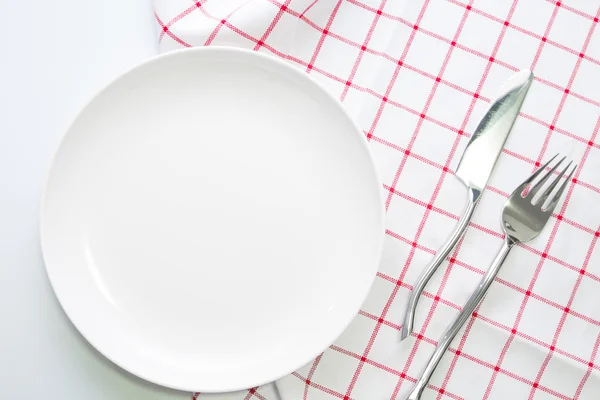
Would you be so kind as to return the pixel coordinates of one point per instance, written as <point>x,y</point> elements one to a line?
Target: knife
<point>474,170</point>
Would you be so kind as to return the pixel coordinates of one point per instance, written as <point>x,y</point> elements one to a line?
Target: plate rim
<point>266,58</point>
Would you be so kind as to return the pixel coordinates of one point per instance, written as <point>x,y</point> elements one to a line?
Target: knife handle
<point>458,321</point>
<point>440,256</point>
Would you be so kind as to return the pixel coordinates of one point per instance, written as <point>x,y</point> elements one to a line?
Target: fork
<point>523,218</point>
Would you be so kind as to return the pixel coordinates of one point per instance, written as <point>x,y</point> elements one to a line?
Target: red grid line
<point>277,18</point>
<point>414,155</point>
<point>571,78</point>
<point>310,65</point>
<point>457,353</point>
<point>218,27</point>
<point>385,322</point>
<point>321,387</point>
<point>587,186</point>
<point>308,8</point>
<point>546,301</point>
<point>562,89</point>
<point>557,129</point>
<point>363,48</point>
<point>589,369</point>
<point>177,18</point>
<point>574,10</point>
<point>384,98</point>
<point>311,372</point>
<point>366,360</point>
<point>425,293</point>
<point>165,29</point>
<point>534,340</point>
<point>253,393</point>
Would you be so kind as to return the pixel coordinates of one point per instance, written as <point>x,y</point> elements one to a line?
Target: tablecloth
<point>417,76</point>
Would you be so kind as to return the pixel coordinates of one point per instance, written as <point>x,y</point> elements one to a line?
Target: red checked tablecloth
<point>417,76</point>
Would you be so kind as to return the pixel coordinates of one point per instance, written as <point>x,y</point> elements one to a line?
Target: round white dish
<point>212,220</point>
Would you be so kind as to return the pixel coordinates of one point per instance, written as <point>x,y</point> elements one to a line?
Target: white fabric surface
<point>417,76</point>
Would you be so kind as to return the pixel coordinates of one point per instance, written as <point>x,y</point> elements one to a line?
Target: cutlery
<point>474,170</point>
<point>523,218</point>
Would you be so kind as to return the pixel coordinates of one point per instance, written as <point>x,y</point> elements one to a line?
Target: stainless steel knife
<point>474,170</point>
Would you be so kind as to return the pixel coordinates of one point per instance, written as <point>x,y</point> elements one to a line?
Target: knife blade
<point>486,143</point>
<point>474,169</point>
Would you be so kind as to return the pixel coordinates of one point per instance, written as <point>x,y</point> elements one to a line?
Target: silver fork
<point>523,218</point>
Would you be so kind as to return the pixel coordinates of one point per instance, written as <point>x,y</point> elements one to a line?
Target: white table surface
<point>55,56</point>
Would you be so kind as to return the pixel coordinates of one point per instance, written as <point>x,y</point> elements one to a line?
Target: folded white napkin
<point>416,76</point>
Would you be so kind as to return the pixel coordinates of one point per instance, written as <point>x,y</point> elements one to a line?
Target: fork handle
<point>440,256</point>
<point>460,320</point>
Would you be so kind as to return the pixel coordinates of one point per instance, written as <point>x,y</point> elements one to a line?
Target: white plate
<point>212,220</point>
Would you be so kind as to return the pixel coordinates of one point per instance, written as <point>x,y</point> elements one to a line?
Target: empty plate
<point>212,220</point>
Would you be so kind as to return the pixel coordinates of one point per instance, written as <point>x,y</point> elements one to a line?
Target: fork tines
<point>532,191</point>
